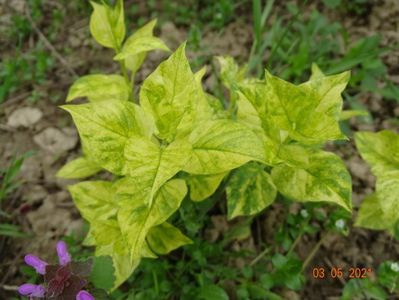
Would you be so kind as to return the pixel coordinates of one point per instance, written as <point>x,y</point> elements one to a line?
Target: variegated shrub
<point>179,138</point>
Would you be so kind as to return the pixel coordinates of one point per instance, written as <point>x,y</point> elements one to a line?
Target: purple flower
<point>65,280</point>
<point>32,290</point>
<point>83,295</point>
<point>37,263</point>
<point>63,254</point>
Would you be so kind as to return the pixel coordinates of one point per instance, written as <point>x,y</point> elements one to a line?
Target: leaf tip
<point>182,47</point>
<point>119,56</point>
<point>67,107</point>
<point>153,23</point>
<point>69,98</point>
<point>59,173</point>
<point>268,76</point>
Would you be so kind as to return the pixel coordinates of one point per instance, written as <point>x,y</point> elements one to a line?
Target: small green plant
<point>386,283</point>
<point>9,183</point>
<point>9,180</point>
<point>27,69</point>
<point>380,210</point>
<point>215,14</point>
<point>181,142</point>
<point>359,7</point>
<point>29,65</point>
<point>21,26</point>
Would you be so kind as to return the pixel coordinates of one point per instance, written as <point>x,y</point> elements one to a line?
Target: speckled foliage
<point>268,140</point>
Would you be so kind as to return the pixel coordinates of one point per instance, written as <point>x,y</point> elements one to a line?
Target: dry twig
<point>7,287</point>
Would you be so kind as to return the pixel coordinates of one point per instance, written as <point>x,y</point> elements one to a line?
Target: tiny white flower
<point>395,267</point>
<point>304,213</point>
<point>340,224</point>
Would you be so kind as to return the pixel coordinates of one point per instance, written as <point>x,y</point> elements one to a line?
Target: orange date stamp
<point>336,272</point>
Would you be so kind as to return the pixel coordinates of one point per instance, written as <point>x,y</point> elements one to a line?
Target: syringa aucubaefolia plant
<point>63,281</point>
<point>174,141</point>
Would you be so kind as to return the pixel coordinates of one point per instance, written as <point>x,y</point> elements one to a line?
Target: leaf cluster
<point>171,142</point>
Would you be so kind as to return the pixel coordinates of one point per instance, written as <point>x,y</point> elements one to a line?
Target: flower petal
<point>32,290</point>
<point>83,295</point>
<point>37,263</point>
<point>63,254</point>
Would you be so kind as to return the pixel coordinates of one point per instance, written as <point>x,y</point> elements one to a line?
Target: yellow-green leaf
<point>388,191</point>
<point>316,72</point>
<point>78,168</point>
<point>203,109</point>
<point>138,44</point>
<point>147,252</point>
<point>249,191</point>
<point>122,263</point>
<point>380,150</point>
<point>256,113</point>
<point>151,164</point>
<point>348,114</point>
<point>222,145</point>
<point>372,216</point>
<point>134,62</point>
<point>203,186</point>
<point>246,112</point>
<point>107,24</point>
<point>141,42</point>
<point>295,155</point>
<point>309,112</point>
<point>95,200</point>
<point>97,203</point>
<point>230,73</point>
<point>345,115</point>
<point>165,238</point>
<point>89,240</point>
<point>137,217</point>
<point>98,87</point>
<point>174,97</point>
<point>323,178</point>
<point>105,128</point>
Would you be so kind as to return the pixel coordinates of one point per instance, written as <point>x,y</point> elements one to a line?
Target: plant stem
<point>124,71</point>
<point>132,76</point>
<point>296,241</point>
<point>232,103</point>
<point>259,257</point>
<point>155,282</point>
<point>313,252</point>
<point>219,87</point>
<point>125,74</point>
